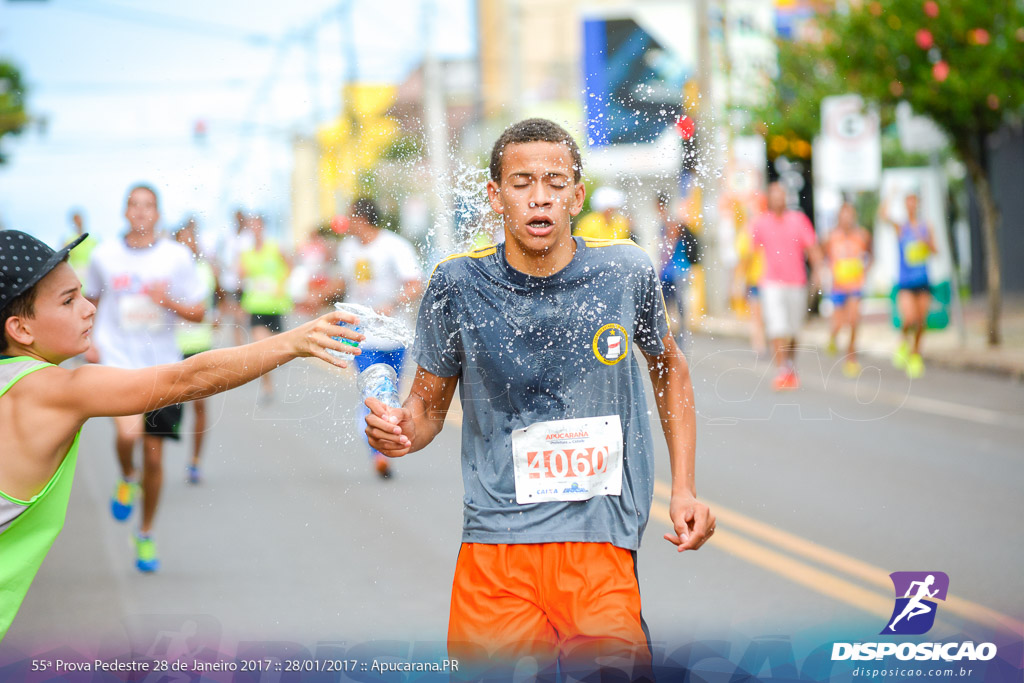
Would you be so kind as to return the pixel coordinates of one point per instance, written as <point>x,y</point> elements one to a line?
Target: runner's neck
<point>140,239</point>
<point>542,265</point>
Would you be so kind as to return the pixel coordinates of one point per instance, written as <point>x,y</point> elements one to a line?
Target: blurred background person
<point>380,270</point>
<point>680,250</point>
<point>79,256</point>
<point>606,219</point>
<point>195,338</point>
<point>785,236</point>
<point>914,295</point>
<point>315,282</point>
<point>264,271</point>
<point>232,243</point>
<point>142,285</point>
<point>746,283</point>
<point>848,252</point>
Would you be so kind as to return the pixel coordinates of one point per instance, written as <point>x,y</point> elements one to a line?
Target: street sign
<point>848,154</point>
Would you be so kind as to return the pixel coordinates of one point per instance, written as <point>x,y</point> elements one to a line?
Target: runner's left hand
<point>692,521</point>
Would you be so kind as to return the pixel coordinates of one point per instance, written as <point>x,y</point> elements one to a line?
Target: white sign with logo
<point>848,155</point>
<point>563,460</point>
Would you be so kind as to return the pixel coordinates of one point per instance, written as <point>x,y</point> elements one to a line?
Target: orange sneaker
<point>380,464</point>
<point>786,380</point>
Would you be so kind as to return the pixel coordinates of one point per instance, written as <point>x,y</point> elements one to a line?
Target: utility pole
<point>513,58</point>
<point>435,120</point>
<point>708,161</point>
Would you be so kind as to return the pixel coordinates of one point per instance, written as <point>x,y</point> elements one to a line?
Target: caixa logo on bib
<point>915,608</point>
<point>914,614</point>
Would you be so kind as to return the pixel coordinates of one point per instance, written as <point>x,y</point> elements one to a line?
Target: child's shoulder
<point>27,376</point>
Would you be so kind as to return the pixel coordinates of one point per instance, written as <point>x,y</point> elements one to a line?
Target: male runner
<point>784,237</point>
<point>143,286</point>
<point>380,270</point>
<point>44,320</point>
<point>557,453</point>
<point>264,269</point>
<point>196,338</point>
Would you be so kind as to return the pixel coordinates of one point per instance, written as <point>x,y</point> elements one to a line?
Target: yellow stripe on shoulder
<point>479,252</point>
<point>606,242</point>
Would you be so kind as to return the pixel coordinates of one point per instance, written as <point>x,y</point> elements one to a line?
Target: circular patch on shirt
<point>611,343</point>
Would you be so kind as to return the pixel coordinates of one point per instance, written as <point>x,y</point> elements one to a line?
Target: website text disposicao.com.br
<point>902,673</point>
<point>950,654</point>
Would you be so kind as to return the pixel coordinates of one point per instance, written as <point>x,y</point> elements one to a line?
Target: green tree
<point>956,61</point>
<point>793,111</point>
<point>12,102</point>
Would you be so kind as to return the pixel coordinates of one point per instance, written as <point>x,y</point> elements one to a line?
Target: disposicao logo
<point>914,614</point>
<point>916,593</point>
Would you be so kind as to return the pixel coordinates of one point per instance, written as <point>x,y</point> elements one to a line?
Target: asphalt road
<point>292,541</point>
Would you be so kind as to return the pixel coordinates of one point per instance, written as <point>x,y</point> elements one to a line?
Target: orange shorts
<point>567,602</point>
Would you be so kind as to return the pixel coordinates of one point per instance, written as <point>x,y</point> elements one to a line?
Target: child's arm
<point>95,391</point>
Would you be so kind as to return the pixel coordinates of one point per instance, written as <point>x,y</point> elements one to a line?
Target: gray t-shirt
<point>533,349</point>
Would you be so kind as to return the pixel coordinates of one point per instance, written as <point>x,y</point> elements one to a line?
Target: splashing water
<point>475,224</point>
<point>373,324</point>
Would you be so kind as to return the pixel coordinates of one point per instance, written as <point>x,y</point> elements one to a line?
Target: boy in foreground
<point>44,320</point>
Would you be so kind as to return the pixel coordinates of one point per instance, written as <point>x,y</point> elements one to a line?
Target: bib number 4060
<point>580,462</point>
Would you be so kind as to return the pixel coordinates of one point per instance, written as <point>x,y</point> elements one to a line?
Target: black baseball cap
<point>24,261</point>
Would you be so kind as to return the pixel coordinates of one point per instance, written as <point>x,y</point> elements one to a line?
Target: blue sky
<point>121,86</point>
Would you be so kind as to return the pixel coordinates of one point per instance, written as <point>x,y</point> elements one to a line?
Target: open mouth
<point>540,226</point>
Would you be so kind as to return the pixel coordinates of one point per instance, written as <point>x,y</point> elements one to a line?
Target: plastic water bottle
<point>372,325</point>
<point>380,382</point>
<point>353,309</point>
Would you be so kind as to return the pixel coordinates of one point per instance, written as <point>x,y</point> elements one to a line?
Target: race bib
<point>138,313</point>
<point>267,286</point>
<point>917,253</point>
<point>564,460</point>
<point>849,271</point>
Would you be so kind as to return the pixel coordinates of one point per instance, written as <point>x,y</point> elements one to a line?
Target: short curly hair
<point>535,130</point>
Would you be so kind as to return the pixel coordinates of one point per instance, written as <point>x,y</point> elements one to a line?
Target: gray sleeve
<point>436,348</point>
<point>651,320</point>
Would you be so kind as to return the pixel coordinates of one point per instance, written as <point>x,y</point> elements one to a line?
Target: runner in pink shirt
<point>785,236</point>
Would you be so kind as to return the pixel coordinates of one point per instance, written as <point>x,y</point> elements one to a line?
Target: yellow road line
<point>830,558</point>
<point>813,578</point>
<point>794,570</point>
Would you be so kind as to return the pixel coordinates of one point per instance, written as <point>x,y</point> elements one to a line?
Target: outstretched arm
<point>95,391</point>
<point>692,520</point>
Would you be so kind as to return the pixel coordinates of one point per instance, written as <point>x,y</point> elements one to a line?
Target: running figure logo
<point>914,612</point>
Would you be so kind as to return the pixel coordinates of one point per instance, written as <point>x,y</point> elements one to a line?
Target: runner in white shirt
<point>380,270</point>
<point>229,250</point>
<point>144,286</point>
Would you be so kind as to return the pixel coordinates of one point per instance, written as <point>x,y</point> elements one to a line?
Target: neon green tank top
<point>198,337</point>
<point>266,274</point>
<point>26,539</point>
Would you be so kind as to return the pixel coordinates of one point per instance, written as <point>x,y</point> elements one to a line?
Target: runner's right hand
<point>389,430</point>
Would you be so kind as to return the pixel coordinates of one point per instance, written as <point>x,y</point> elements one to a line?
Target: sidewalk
<point>878,339</point>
